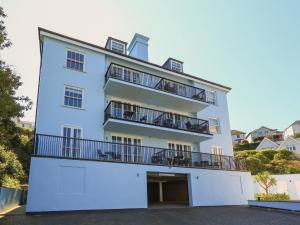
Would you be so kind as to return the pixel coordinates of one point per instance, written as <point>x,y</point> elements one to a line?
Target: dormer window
<point>116,45</point>
<point>176,66</point>
<point>173,64</point>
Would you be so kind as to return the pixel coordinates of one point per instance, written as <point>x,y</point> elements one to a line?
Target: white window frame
<point>291,147</point>
<point>72,132</point>
<point>173,62</point>
<point>78,52</point>
<point>211,100</point>
<point>217,127</point>
<point>117,42</point>
<point>76,88</point>
<point>217,150</point>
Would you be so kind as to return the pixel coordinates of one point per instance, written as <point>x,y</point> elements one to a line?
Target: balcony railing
<point>84,149</point>
<point>124,111</point>
<point>155,82</point>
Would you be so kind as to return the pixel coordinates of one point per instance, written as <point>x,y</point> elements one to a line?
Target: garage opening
<point>167,189</point>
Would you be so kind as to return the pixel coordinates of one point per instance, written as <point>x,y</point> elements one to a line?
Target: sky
<point>252,46</point>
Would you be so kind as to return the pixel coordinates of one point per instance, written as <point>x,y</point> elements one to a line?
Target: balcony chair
<point>144,119</point>
<point>101,155</point>
<point>197,96</point>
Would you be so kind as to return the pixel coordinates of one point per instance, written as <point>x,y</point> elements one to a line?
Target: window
<point>214,126</point>
<point>211,97</point>
<point>73,97</point>
<point>118,47</point>
<point>75,61</point>
<point>217,150</point>
<point>127,148</point>
<point>176,66</point>
<point>291,147</point>
<point>71,144</point>
<point>179,149</point>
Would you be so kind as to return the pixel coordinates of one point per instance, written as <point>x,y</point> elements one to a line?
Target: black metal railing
<point>135,113</point>
<point>84,149</point>
<point>155,82</point>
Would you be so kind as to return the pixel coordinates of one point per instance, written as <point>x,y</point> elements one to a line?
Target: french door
<point>180,149</point>
<point>128,147</point>
<point>71,142</point>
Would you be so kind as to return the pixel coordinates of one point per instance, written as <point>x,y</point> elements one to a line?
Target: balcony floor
<point>135,128</point>
<point>130,91</point>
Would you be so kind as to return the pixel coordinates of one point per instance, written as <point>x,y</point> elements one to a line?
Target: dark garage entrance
<point>167,189</point>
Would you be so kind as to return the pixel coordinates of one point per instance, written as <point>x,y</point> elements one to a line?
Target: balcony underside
<point>135,128</point>
<point>135,92</point>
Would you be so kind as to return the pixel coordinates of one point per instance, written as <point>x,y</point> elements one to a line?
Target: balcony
<point>136,120</point>
<point>136,85</point>
<point>84,149</point>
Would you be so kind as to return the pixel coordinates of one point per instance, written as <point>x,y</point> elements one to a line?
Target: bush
<point>254,164</point>
<point>272,197</point>
<point>297,135</point>
<point>11,171</point>
<point>283,154</point>
<point>269,153</point>
<point>248,146</point>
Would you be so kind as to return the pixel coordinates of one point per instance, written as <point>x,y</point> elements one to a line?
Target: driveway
<point>228,215</point>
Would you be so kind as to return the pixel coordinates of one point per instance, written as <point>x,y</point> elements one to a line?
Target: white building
<point>116,131</point>
<point>24,124</point>
<point>292,144</point>
<point>267,143</point>
<point>259,134</point>
<point>291,130</point>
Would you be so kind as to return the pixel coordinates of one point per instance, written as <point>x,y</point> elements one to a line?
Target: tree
<point>11,171</point>
<point>11,105</point>
<point>265,180</point>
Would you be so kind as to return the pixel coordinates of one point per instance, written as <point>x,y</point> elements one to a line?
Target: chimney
<point>138,47</point>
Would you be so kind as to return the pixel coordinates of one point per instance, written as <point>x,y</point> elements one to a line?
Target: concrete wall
<point>58,184</point>
<point>289,183</point>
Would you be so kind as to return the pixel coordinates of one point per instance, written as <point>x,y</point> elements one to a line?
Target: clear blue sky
<point>251,46</point>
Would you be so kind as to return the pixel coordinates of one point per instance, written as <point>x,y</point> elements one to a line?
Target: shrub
<point>283,154</point>
<point>254,164</point>
<point>297,135</point>
<point>272,197</point>
<point>269,153</point>
<point>248,146</point>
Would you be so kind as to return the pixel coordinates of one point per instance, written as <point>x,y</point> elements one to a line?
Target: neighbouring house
<point>267,143</point>
<point>23,124</point>
<point>115,131</point>
<point>237,136</point>
<point>258,135</point>
<point>292,144</point>
<point>291,130</point>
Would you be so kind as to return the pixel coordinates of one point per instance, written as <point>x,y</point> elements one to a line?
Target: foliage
<point>297,135</point>
<point>271,160</point>
<point>15,143</point>
<point>10,105</point>
<point>265,180</point>
<point>283,154</point>
<point>272,197</point>
<point>247,146</point>
<point>11,171</point>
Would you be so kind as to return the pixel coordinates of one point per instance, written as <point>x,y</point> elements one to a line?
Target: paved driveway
<point>236,215</point>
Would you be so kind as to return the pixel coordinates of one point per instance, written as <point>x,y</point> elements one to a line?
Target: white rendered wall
<point>57,185</point>
<point>51,114</point>
<point>289,183</point>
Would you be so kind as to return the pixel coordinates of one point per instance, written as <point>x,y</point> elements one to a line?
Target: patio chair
<point>101,155</point>
<point>144,119</point>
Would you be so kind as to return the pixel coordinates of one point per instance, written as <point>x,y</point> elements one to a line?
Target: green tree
<point>11,105</point>
<point>11,171</point>
<point>265,180</point>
